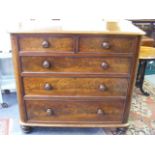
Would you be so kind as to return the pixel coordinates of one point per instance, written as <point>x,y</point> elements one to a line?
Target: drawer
<point>75,86</point>
<point>76,64</point>
<point>121,44</point>
<point>46,43</point>
<point>56,111</point>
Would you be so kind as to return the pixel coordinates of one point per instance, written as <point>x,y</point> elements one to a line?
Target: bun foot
<point>121,131</point>
<point>4,105</point>
<point>26,129</point>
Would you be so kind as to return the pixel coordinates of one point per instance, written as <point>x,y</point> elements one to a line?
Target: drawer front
<point>76,86</point>
<point>45,43</point>
<point>76,64</point>
<point>109,44</point>
<point>102,111</point>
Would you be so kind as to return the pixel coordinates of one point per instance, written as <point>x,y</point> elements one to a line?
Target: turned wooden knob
<point>47,86</point>
<point>100,112</point>
<point>45,44</point>
<point>104,65</point>
<point>106,45</point>
<point>49,112</point>
<point>102,87</point>
<point>46,64</point>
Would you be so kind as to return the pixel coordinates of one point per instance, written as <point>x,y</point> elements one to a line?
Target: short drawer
<point>75,86</point>
<point>57,111</point>
<point>120,44</point>
<point>46,43</point>
<point>76,64</point>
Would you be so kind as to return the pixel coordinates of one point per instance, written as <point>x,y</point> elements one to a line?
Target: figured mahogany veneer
<point>107,43</point>
<point>75,86</point>
<point>75,78</point>
<point>46,43</point>
<point>86,43</point>
<point>75,64</point>
<point>68,111</point>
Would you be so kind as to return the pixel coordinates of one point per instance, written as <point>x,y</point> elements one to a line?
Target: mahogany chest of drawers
<point>75,78</point>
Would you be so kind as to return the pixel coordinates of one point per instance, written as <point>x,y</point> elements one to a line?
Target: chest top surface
<point>76,27</point>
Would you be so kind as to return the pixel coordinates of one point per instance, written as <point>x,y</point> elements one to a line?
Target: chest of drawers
<point>75,78</point>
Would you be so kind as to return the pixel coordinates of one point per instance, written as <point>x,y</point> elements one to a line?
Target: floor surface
<point>150,78</point>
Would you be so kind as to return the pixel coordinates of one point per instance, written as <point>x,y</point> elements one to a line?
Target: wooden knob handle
<point>102,87</point>
<point>47,86</point>
<point>49,112</point>
<point>104,65</point>
<point>46,64</point>
<point>106,45</point>
<point>100,112</point>
<point>45,44</point>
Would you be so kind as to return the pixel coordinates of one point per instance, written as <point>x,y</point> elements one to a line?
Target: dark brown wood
<point>46,64</point>
<point>76,44</point>
<point>46,43</point>
<point>75,64</point>
<point>76,74</point>
<point>47,86</point>
<point>62,53</point>
<point>104,65</point>
<point>132,80</point>
<point>106,45</point>
<point>101,112</point>
<point>102,87</point>
<point>74,98</point>
<point>74,111</point>
<point>110,43</point>
<point>75,80</point>
<point>17,70</point>
<point>50,112</point>
<point>76,86</point>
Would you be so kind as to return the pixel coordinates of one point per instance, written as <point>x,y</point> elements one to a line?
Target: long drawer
<point>80,64</point>
<point>75,86</point>
<point>68,111</point>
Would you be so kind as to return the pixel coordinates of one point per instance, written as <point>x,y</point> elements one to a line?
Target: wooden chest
<point>75,78</point>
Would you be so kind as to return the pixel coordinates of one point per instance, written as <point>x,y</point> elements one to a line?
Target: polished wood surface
<point>17,71</point>
<point>75,86</point>
<point>58,111</point>
<point>73,64</point>
<point>82,77</point>
<point>147,53</point>
<point>54,43</point>
<point>115,44</point>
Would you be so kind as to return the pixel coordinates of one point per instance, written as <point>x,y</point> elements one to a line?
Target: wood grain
<point>76,86</point>
<point>56,43</point>
<point>74,111</point>
<point>19,84</point>
<point>75,91</point>
<point>134,68</point>
<point>120,44</point>
<point>76,64</point>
